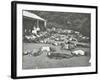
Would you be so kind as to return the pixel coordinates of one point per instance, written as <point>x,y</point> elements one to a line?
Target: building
<point>33,23</point>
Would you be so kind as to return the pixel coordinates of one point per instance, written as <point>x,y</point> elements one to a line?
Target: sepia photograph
<point>53,39</point>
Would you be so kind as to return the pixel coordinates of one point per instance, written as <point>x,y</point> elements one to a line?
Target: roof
<point>32,15</point>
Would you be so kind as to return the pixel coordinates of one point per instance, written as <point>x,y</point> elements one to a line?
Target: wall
<point>5,41</point>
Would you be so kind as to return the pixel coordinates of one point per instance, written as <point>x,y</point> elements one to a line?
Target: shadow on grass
<point>59,56</point>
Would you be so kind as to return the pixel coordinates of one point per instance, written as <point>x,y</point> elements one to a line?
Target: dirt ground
<point>42,61</point>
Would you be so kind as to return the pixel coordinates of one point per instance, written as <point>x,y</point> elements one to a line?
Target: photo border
<point>14,38</point>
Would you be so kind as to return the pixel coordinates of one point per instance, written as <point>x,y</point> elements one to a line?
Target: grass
<point>54,61</point>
